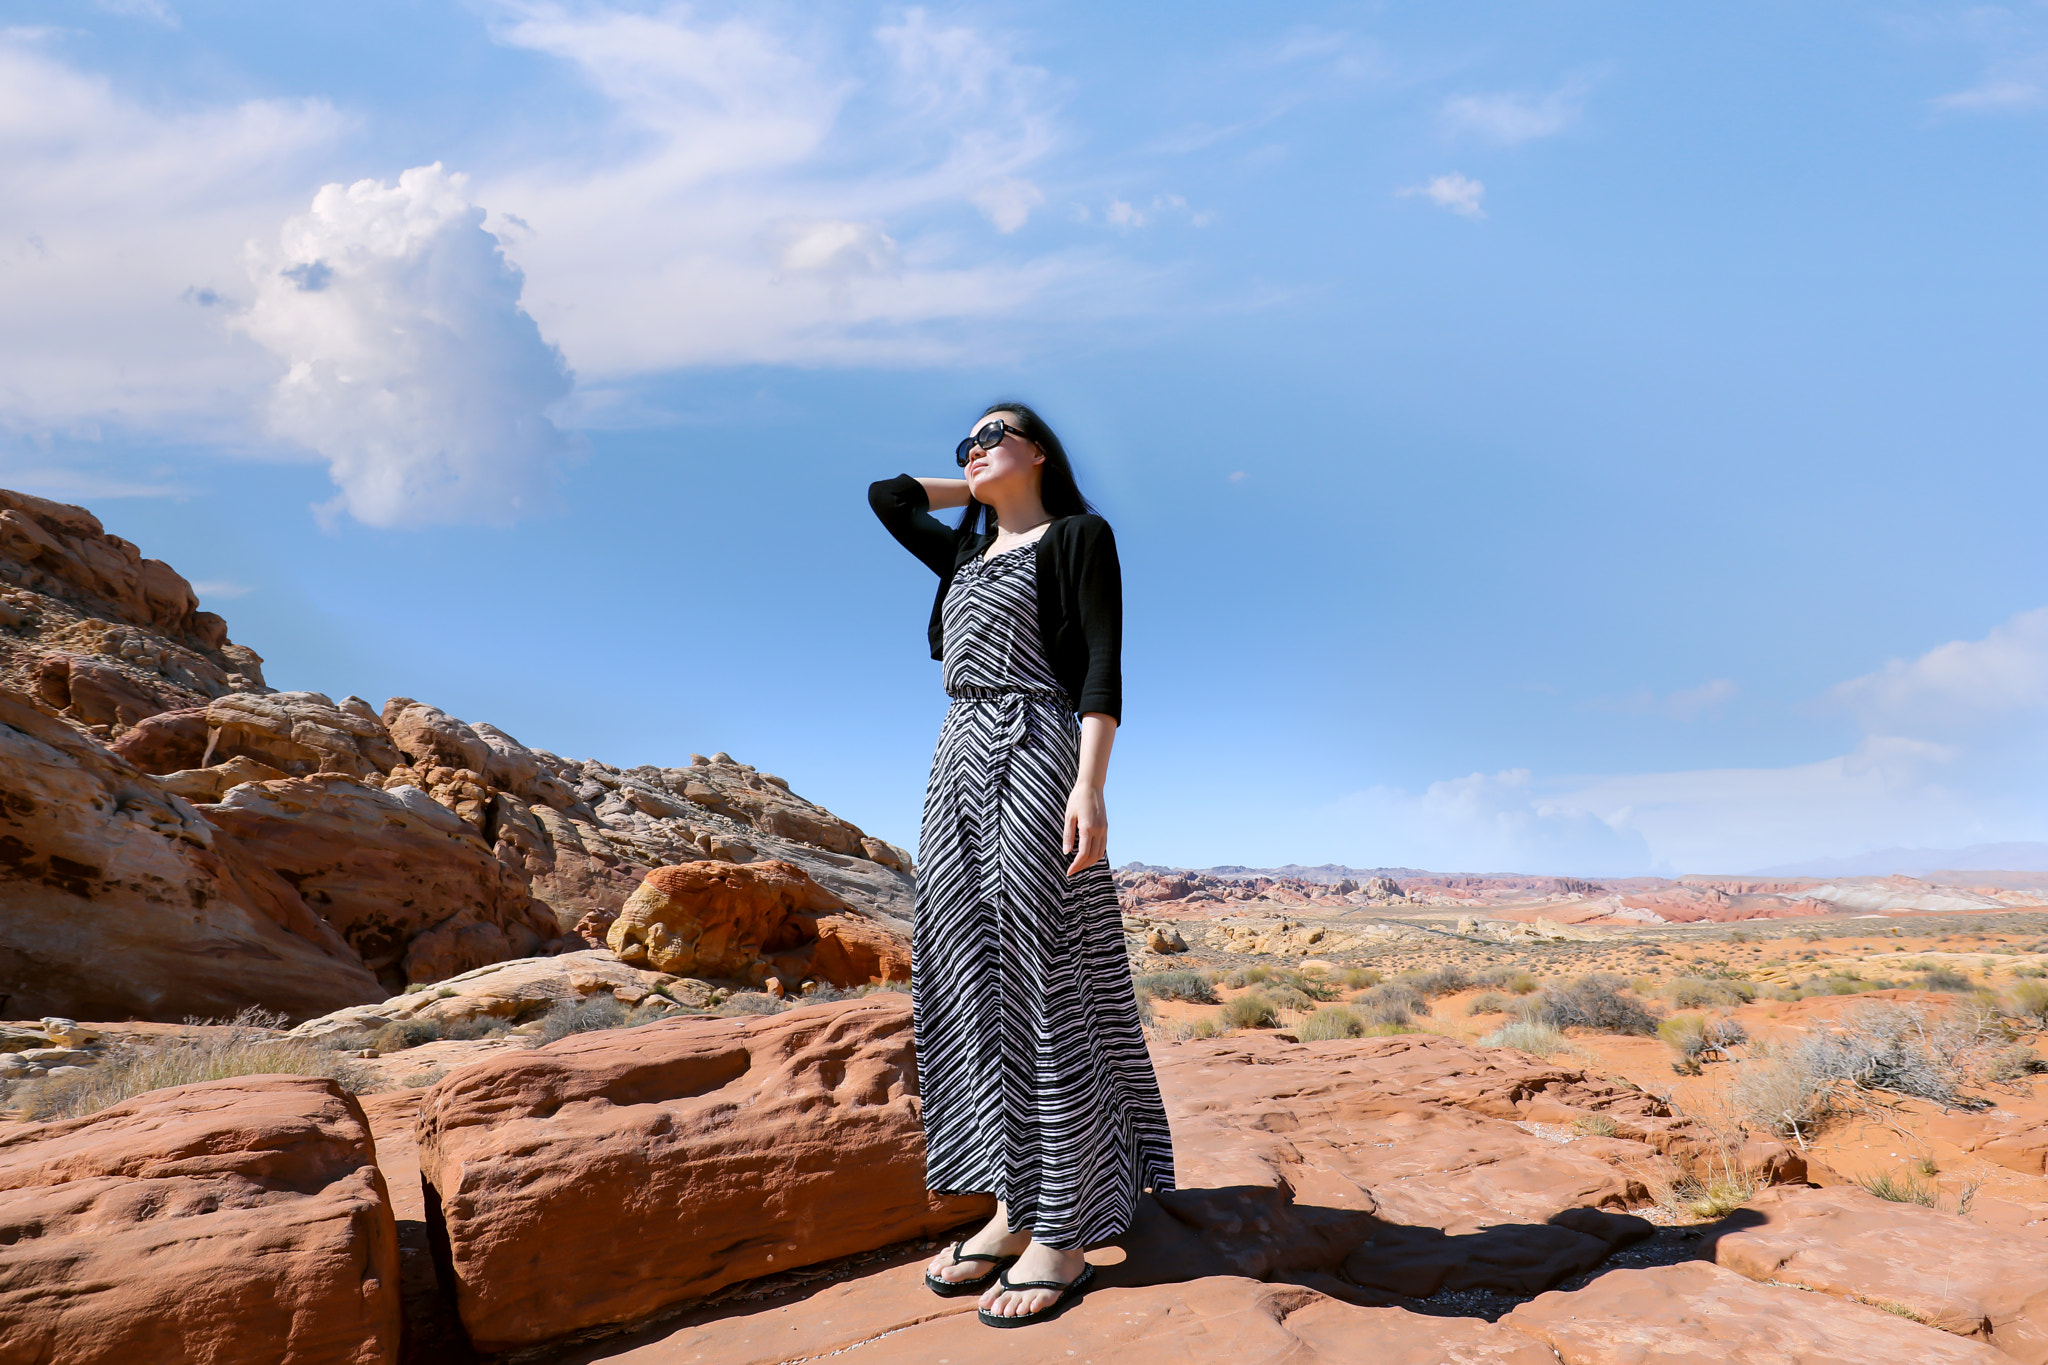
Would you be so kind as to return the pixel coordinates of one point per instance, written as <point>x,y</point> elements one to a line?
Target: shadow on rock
<point>1257,1232</point>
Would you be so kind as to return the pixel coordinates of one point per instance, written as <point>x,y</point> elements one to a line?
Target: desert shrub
<point>481,1026</point>
<point>1540,1039</point>
<point>1694,992</point>
<point>1247,976</point>
<point>247,1046</point>
<point>1144,1003</point>
<point>1333,1021</point>
<point>1595,1125</point>
<point>879,987</point>
<point>1390,1002</point>
<point>1315,987</point>
<point>2012,1063</point>
<point>1289,998</point>
<point>1684,1034</point>
<point>1900,1188</point>
<point>1513,980</point>
<point>1186,1030</point>
<point>1193,987</point>
<point>603,1012</point>
<point>401,1034</point>
<point>1945,979</point>
<point>2028,1000</point>
<point>1725,1032</point>
<point>1784,1094</point>
<point>1448,980</point>
<point>1594,1001</point>
<point>1490,1002</point>
<point>1250,1011</point>
<point>1355,978</point>
<point>420,1080</point>
<point>2030,970</point>
<point>739,1003</point>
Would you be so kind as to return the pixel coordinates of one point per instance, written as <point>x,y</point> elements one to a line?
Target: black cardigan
<point>1080,589</point>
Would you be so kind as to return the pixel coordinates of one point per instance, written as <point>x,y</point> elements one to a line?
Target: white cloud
<point>1960,685</point>
<point>1459,193</point>
<point>220,589</point>
<point>411,368</point>
<point>1008,202</point>
<point>120,222</point>
<point>1953,744</point>
<point>1512,118</point>
<point>1122,215</point>
<point>738,151</point>
<point>2015,76</point>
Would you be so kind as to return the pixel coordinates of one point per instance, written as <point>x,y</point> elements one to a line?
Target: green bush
<point>1250,1011</point>
<point>1192,987</point>
<point>1490,1002</point>
<point>1899,1189</point>
<point>1355,978</point>
<point>1289,998</point>
<point>1684,1034</point>
<point>1247,976</point>
<point>1332,1021</point>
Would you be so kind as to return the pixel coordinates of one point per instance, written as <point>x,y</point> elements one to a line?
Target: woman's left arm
<point>1087,833</point>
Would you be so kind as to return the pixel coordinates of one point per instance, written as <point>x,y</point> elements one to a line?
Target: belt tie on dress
<point>1021,722</point>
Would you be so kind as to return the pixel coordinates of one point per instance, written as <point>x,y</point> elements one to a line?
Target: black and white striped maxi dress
<point>1036,1083</point>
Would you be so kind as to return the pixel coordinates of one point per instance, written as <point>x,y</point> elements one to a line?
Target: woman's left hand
<point>1087,832</point>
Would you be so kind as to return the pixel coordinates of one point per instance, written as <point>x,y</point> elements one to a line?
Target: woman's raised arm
<point>944,493</point>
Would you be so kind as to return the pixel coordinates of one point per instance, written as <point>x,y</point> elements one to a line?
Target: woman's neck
<point>1018,515</point>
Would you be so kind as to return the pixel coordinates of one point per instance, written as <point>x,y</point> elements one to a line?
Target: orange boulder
<point>609,1175</point>
<point>233,1221</point>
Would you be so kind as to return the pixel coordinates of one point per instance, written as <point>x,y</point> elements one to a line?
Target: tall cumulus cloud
<point>411,367</point>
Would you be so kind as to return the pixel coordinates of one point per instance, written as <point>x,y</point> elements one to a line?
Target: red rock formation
<point>611,1174</point>
<point>412,888</point>
<point>750,921</point>
<point>1852,1245</point>
<point>121,900</point>
<point>1698,1313</point>
<point>234,1221</point>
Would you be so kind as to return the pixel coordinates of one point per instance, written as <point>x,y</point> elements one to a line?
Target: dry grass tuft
<point>247,1045</point>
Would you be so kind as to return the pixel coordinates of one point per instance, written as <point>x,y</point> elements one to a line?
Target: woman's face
<point>1008,467</point>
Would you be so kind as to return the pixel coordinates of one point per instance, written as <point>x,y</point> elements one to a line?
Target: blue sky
<point>1573,438</point>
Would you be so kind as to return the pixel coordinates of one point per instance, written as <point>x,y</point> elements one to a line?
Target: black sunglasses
<point>988,438</point>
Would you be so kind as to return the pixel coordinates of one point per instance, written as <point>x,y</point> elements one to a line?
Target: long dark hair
<point>1056,487</point>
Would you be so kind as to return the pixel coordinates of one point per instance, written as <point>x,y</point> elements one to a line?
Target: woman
<point>1037,1087</point>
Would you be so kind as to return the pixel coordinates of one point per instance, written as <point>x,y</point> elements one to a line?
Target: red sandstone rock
<point>234,1221</point>
<point>611,1174</point>
<point>1697,1314</point>
<point>1947,1270</point>
<point>893,1317</point>
<point>121,901</point>
<point>745,921</point>
<point>407,884</point>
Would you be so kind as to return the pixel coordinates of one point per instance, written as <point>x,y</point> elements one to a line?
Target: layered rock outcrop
<point>124,900</point>
<point>241,1220</point>
<point>310,853</point>
<point>608,1175</point>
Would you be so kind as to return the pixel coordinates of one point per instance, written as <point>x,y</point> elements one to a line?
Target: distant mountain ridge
<point>1918,862</point>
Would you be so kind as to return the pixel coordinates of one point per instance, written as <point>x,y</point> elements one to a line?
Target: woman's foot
<point>993,1239</point>
<point>1037,1263</point>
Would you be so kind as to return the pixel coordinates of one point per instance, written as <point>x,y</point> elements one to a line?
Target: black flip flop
<point>952,1289</point>
<point>1068,1293</point>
